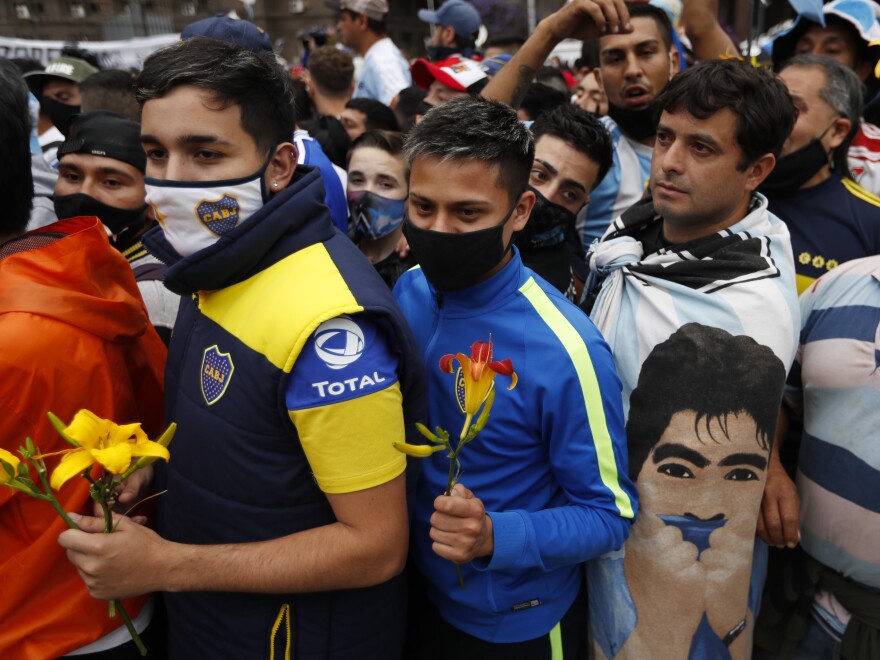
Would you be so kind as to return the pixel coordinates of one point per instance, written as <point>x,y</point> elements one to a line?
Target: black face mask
<point>636,124</point>
<point>59,114</point>
<point>794,170</point>
<point>547,224</point>
<point>453,261</point>
<point>423,108</point>
<point>115,219</point>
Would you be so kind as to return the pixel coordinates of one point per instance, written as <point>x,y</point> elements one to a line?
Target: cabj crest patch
<point>220,216</point>
<point>217,371</point>
<point>459,389</point>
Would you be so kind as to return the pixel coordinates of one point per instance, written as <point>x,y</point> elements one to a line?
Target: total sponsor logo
<point>355,384</point>
<point>339,343</point>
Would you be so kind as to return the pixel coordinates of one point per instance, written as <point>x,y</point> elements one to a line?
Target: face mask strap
<point>264,189</point>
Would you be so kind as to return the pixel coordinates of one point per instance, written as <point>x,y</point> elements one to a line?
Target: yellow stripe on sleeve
<point>577,351</point>
<point>861,193</point>
<point>349,444</point>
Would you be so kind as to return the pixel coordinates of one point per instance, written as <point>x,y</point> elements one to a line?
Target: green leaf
<point>61,427</point>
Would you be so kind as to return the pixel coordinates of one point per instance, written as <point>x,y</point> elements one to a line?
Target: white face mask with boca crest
<point>195,214</point>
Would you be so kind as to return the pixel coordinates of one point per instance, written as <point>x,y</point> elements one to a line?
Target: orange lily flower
<point>479,373</point>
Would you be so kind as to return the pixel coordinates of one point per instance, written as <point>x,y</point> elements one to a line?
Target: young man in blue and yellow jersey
<point>544,486</point>
<point>283,524</point>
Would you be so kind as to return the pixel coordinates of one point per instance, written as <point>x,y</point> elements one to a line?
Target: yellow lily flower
<point>479,372</point>
<point>10,459</point>
<point>101,441</point>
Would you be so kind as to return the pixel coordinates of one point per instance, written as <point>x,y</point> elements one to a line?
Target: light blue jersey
<point>384,74</point>
<point>623,186</point>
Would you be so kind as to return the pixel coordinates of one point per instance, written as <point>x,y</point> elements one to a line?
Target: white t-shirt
<point>384,74</point>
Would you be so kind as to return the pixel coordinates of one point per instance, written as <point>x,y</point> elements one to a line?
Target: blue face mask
<point>375,216</point>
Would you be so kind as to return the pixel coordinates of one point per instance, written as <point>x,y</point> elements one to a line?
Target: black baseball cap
<point>103,133</point>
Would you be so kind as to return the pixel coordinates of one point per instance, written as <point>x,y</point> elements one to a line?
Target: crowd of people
<point>646,288</point>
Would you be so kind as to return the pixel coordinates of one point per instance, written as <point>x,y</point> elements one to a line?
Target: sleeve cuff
<point>509,538</point>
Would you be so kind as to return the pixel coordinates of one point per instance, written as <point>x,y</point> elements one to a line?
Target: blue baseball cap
<point>231,30</point>
<point>492,65</point>
<point>457,14</point>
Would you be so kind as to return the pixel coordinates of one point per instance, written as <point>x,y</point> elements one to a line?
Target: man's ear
<point>522,211</point>
<point>674,62</point>
<point>839,130</point>
<point>758,170</point>
<point>280,170</point>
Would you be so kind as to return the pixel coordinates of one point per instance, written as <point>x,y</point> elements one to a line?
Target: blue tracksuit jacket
<point>550,466</point>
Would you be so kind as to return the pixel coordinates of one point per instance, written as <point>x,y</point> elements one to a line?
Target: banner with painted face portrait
<point>702,335</point>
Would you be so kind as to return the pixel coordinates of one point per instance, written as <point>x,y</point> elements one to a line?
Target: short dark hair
<point>111,90</point>
<point>331,135</point>
<point>379,116</point>
<point>843,91</point>
<point>15,153</point>
<point>476,129</point>
<point>541,98</point>
<point>391,142</point>
<point>304,108</point>
<point>580,129</point>
<point>332,71</point>
<point>235,75</point>
<point>661,18</point>
<point>765,113</point>
<point>711,372</point>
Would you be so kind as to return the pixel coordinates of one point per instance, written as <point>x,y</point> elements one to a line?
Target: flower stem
<point>460,577</point>
<point>40,467</point>
<point>465,428</point>
<point>131,629</point>
<point>450,482</point>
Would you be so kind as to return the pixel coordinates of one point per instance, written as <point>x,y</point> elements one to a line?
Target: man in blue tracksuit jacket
<point>544,486</point>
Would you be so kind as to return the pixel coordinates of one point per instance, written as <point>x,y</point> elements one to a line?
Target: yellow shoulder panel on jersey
<point>275,311</point>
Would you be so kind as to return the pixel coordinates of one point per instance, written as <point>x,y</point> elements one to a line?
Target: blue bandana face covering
<point>375,216</point>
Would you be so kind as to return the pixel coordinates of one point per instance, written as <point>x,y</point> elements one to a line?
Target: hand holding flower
<point>117,565</point>
<point>460,528</point>
<point>94,441</point>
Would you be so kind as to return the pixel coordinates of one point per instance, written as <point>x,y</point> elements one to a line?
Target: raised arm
<point>700,21</point>
<point>580,19</point>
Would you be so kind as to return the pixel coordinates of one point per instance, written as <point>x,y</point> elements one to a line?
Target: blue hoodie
<point>551,464</point>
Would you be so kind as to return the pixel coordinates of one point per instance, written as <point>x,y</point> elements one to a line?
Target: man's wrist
<point>487,547</point>
<point>173,562</point>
